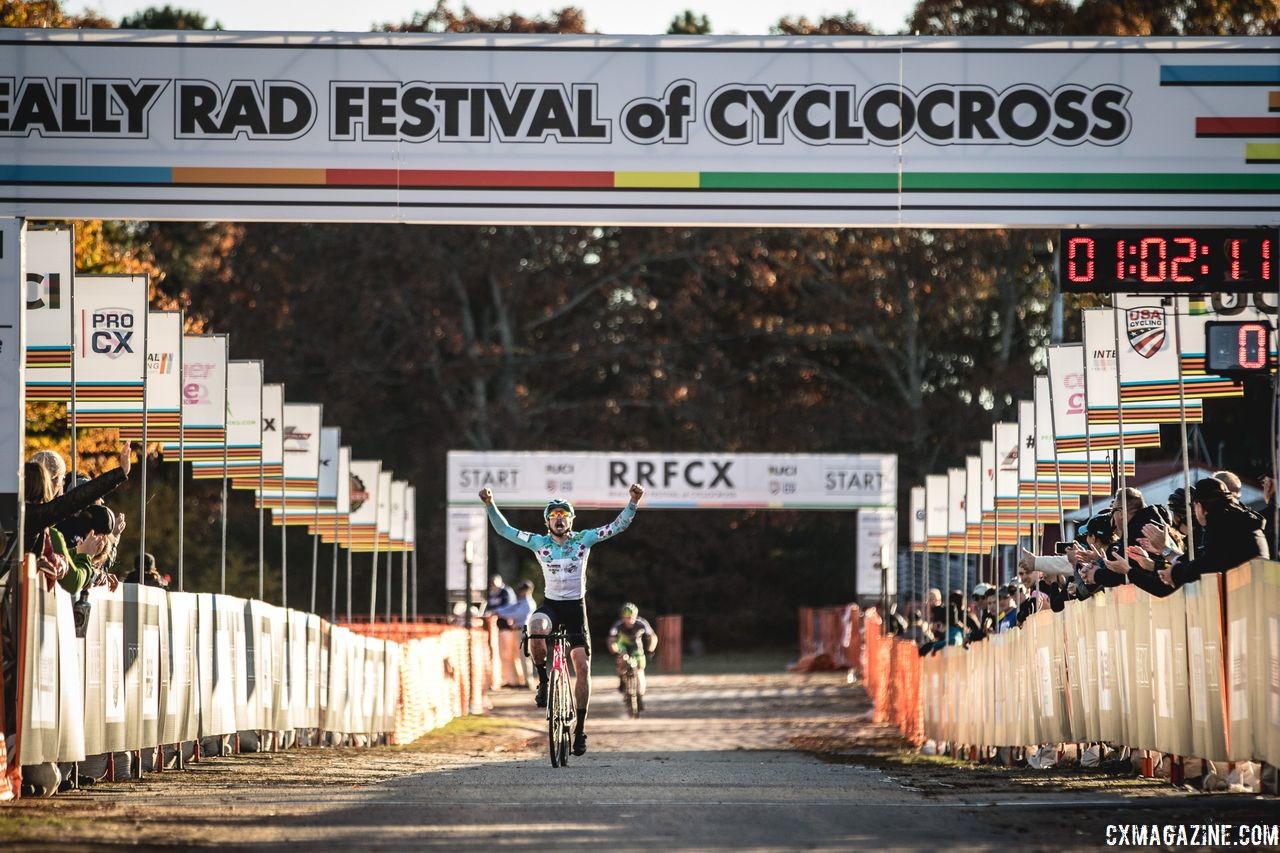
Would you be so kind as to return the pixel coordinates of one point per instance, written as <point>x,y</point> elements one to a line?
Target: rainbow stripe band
<point>507,179</point>
<point>1219,75</point>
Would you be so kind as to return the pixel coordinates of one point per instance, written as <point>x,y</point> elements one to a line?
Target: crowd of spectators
<point>1155,547</point>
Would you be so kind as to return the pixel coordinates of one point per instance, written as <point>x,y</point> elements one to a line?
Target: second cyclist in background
<point>631,637</point>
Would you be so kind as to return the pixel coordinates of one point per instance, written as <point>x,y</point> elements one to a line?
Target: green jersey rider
<point>562,553</point>
<point>630,637</point>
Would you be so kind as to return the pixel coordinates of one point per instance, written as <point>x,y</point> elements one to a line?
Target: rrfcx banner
<point>726,480</point>
<point>824,131</point>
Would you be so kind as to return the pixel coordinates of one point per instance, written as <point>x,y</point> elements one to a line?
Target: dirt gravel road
<point>717,762</point>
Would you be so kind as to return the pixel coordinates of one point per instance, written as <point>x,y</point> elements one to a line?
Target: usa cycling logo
<point>1145,327</point>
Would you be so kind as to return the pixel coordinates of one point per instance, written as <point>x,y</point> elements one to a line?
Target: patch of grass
<point>471,732</point>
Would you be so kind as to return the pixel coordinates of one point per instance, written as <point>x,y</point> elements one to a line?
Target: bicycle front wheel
<point>633,694</point>
<point>554,723</point>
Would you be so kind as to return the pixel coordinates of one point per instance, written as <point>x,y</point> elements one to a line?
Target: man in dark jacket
<point>1233,534</point>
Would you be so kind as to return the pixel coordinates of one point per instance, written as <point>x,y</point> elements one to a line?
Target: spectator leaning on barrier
<point>69,568</point>
<point>64,506</point>
<point>1007,616</point>
<point>1232,536</point>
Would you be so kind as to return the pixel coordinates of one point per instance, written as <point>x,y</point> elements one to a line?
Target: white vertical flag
<point>49,265</point>
<point>955,508</point>
<point>110,339</point>
<point>13,321</point>
<point>164,378</point>
<point>936,512</point>
<point>915,532</point>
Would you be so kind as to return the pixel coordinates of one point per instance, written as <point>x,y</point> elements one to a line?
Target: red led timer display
<point>1215,260</point>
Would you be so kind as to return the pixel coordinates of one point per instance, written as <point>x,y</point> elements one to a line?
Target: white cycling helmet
<point>539,625</point>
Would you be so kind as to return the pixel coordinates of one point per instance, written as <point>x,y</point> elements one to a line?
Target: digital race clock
<point>1165,260</point>
<point>1238,347</point>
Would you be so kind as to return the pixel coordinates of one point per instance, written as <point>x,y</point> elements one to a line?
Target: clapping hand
<point>1141,557</point>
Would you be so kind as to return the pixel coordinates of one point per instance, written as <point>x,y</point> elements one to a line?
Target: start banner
<point>677,480</point>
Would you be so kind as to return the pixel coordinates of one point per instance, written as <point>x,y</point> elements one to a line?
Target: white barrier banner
<point>830,131</point>
<point>674,480</point>
<point>182,698</point>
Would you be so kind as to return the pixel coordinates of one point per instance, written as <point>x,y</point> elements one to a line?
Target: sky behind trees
<point>607,16</point>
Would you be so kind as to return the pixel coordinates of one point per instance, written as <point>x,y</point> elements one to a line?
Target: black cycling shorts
<point>573,616</point>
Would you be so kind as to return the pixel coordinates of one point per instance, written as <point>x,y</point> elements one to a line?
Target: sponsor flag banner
<point>987,485</point>
<point>1100,376</point>
<point>383,510</point>
<point>164,378</point>
<point>1067,396</point>
<point>13,416</point>
<point>1079,472</point>
<point>49,268</point>
<point>955,509</point>
<point>110,339</point>
<point>1149,356</point>
<point>1007,446</point>
<point>877,535</point>
<point>973,506</point>
<point>272,440</point>
<point>244,424</point>
<point>410,522</point>
<point>936,511</point>
<point>1194,311</point>
<point>332,522</point>
<point>363,524</point>
<point>301,448</point>
<point>301,441</point>
<point>466,524</point>
<point>396,532</point>
<point>677,480</point>
<point>327,482</point>
<point>204,398</point>
<point>1039,499</point>
<point>915,530</point>
<point>306,508</point>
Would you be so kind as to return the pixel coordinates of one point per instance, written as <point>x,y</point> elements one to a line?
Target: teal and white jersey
<point>564,567</point>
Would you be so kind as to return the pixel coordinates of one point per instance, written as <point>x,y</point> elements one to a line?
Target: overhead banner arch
<point>756,131</point>
<point>867,483</point>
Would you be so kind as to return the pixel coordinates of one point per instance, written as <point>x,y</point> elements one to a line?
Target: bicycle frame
<point>560,704</point>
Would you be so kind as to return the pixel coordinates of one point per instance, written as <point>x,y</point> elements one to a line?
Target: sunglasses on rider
<point>559,513</point>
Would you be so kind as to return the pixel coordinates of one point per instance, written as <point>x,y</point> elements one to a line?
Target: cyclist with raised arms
<point>562,553</point>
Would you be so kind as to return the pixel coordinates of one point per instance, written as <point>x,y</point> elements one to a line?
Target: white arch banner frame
<point>773,131</point>
<point>677,480</point>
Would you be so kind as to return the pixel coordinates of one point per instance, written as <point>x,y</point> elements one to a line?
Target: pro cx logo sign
<point>108,331</point>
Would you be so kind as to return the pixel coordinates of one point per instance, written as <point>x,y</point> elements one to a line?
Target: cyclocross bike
<point>560,709</point>
<point>630,684</point>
